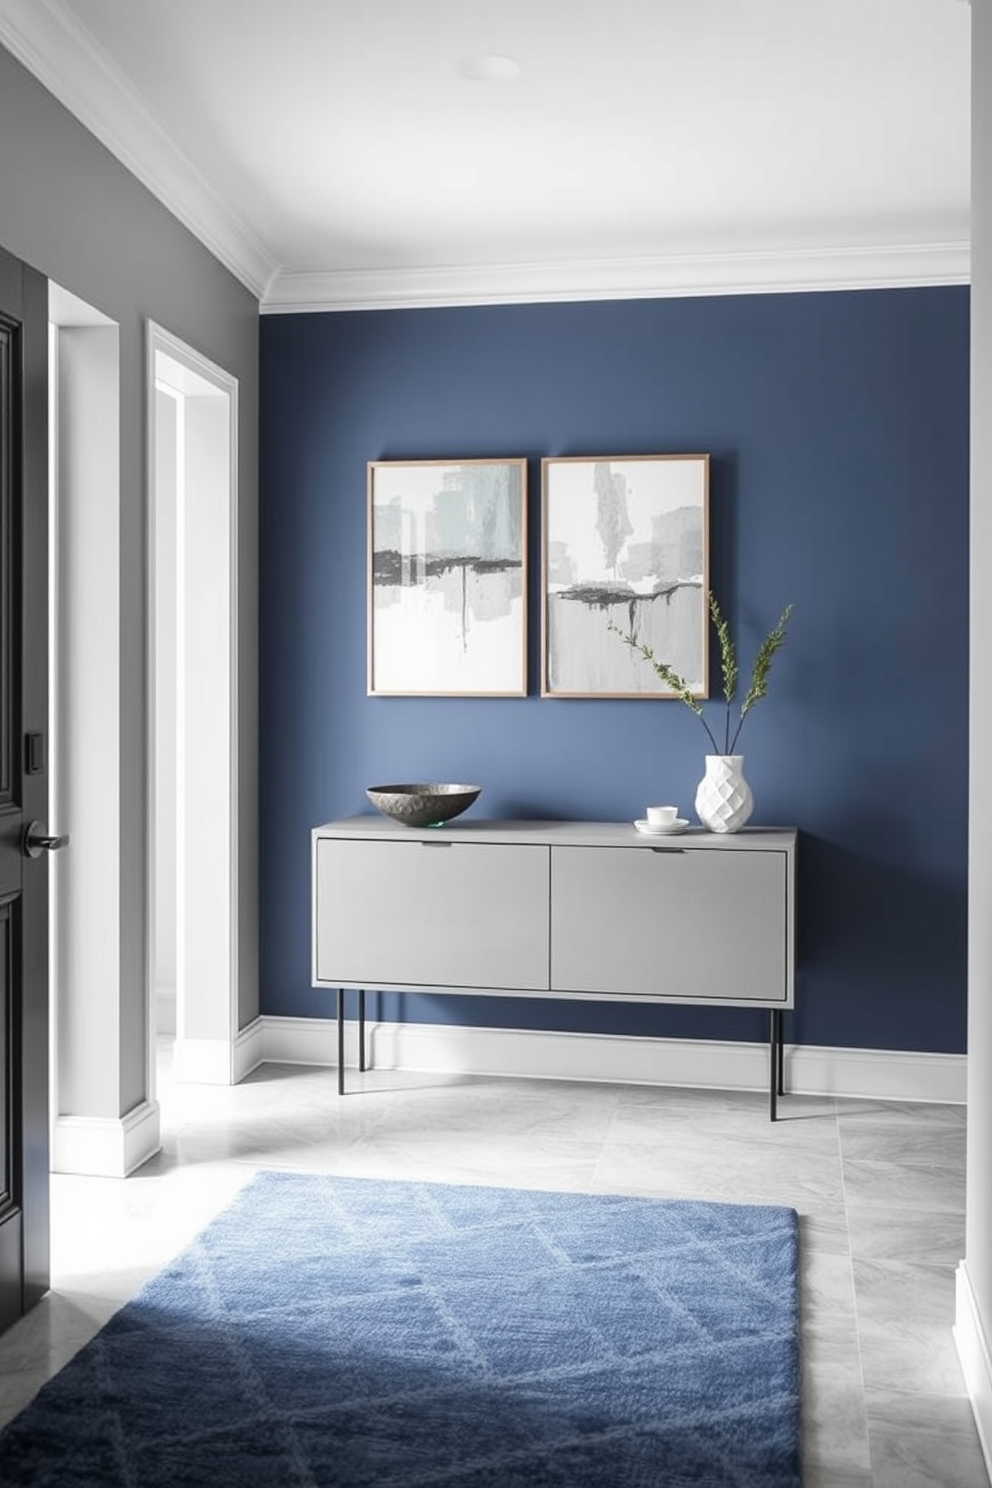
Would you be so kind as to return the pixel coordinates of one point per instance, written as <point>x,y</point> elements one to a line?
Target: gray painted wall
<point>68,207</point>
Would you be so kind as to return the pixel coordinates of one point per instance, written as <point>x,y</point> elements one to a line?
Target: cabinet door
<point>707,924</point>
<point>445,914</point>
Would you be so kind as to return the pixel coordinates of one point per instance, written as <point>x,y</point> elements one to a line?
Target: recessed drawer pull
<point>437,844</point>
<point>668,849</point>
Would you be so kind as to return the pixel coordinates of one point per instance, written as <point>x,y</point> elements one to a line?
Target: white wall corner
<point>106,1147</point>
<point>53,44</point>
<point>976,1357</point>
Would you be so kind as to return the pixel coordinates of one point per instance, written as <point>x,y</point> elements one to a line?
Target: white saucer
<point>654,829</point>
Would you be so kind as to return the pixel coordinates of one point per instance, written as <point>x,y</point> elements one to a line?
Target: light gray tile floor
<point>879,1188</point>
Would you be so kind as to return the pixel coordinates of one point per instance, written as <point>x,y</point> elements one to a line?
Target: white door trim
<point>177,368</point>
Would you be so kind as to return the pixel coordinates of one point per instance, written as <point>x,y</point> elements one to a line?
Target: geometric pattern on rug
<point>356,1332</point>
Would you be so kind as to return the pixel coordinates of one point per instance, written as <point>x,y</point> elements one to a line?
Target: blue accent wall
<point>837,426</point>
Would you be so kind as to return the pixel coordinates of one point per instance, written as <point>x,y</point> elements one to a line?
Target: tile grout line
<point>838,1119</point>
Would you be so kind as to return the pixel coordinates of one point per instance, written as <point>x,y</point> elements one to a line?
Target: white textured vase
<point>723,799</point>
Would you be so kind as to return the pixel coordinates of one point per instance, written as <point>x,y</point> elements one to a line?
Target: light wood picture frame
<point>447,578</point>
<point>625,539</point>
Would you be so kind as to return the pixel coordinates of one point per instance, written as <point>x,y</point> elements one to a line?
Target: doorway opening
<point>193,709</point>
<point>105,1116</point>
<point>90,1088</point>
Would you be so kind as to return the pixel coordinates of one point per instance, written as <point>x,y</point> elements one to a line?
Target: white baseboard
<point>218,1061</point>
<point>104,1146</point>
<point>199,1061</point>
<point>976,1358</point>
<point>248,1051</point>
<point>881,1074</point>
<point>877,1074</point>
<point>165,1007</point>
<point>307,1041</point>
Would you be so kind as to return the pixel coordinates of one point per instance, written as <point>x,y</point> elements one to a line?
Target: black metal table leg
<point>361,1028</point>
<point>340,1041</point>
<point>774,1043</point>
<point>781,1053</point>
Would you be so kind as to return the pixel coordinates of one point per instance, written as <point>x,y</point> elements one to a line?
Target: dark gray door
<point>23,787</point>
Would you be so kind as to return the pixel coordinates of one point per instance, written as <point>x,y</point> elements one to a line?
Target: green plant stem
<point>728,665</point>
<point>671,678</point>
<point>757,688</point>
<point>773,642</point>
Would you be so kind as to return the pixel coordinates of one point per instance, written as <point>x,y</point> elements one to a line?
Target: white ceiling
<point>331,153</point>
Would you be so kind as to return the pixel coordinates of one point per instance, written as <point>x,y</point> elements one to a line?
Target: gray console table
<point>591,910</point>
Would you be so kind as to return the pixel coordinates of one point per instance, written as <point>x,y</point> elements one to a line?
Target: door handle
<point>36,840</point>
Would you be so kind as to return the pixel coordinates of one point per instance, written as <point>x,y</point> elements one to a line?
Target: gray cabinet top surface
<point>556,834</point>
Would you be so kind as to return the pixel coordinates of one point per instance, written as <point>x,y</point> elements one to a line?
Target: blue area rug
<point>350,1332</point>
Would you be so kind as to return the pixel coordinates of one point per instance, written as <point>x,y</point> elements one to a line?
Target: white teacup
<point>662,816</point>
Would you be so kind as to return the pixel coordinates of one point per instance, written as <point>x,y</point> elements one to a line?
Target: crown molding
<point>48,41</point>
<point>46,38</point>
<point>796,271</point>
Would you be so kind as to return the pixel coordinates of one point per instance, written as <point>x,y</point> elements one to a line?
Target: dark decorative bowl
<point>422,805</point>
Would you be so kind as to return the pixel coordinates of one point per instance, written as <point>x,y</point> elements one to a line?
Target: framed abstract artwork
<point>625,547</point>
<point>447,578</point>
